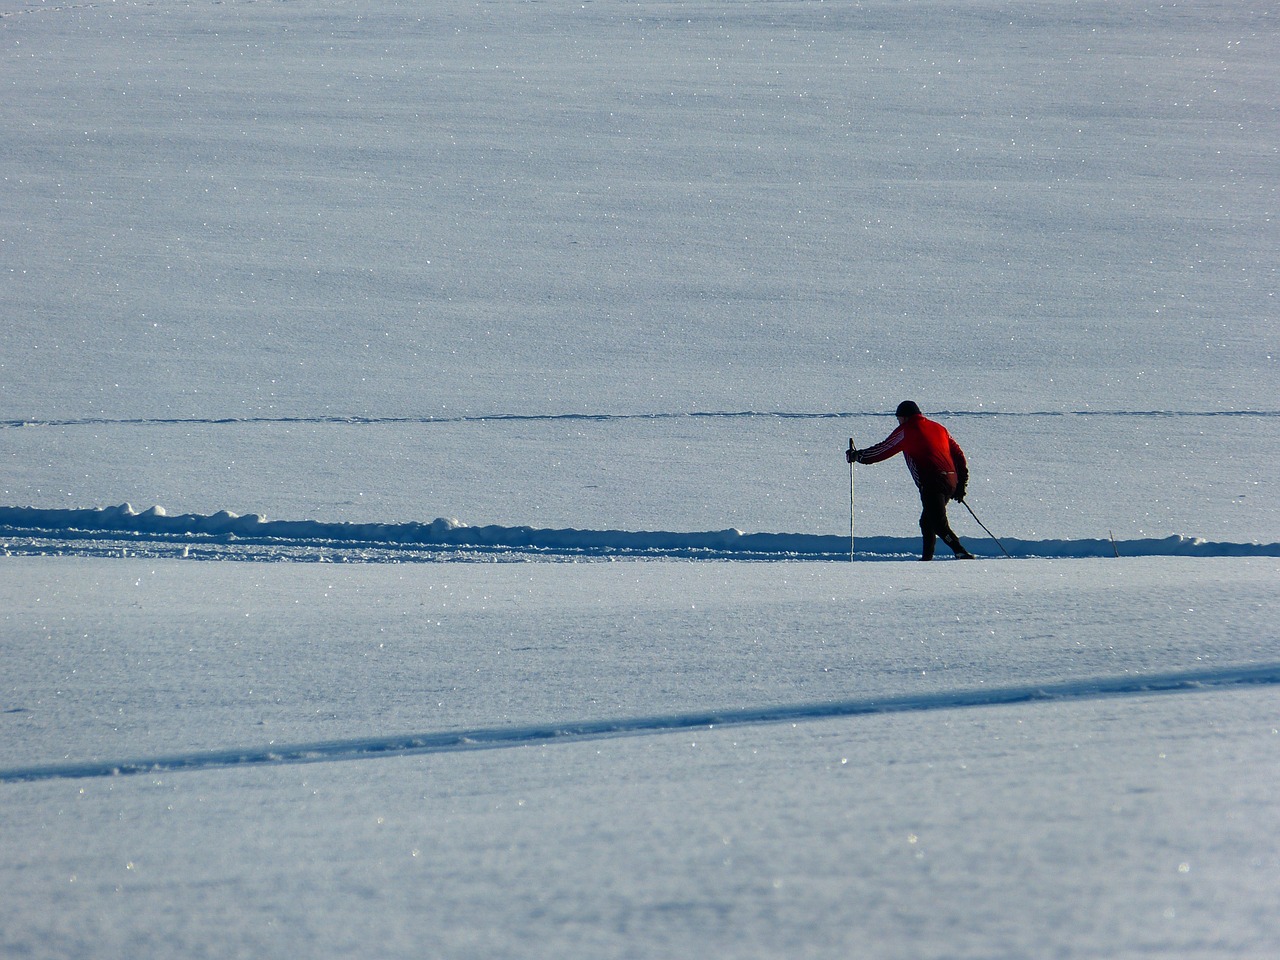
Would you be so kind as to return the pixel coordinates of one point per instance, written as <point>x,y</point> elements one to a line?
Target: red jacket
<point>931,454</point>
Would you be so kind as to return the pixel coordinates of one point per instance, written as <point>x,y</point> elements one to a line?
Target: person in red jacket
<point>937,465</point>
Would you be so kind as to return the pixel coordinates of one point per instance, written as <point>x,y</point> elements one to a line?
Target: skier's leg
<point>951,540</point>
<point>930,538</point>
<point>934,498</point>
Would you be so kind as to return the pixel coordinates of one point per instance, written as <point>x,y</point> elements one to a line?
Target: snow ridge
<point>342,419</point>
<point>515,736</point>
<point>154,532</point>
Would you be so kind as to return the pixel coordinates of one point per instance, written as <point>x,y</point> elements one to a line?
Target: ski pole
<point>984,527</point>
<point>852,448</point>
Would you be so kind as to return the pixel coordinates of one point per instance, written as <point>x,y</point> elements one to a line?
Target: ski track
<point>538,734</point>
<point>606,417</point>
<point>121,530</point>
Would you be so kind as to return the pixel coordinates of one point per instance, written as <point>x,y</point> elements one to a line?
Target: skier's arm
<point>883,450</point>
<point>962,470</point>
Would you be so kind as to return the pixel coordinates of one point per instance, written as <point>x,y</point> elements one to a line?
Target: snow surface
<point>423,287</point>
<point>300,786</point>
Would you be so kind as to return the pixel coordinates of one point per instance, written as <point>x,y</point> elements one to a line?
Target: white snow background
<point>558,275</point>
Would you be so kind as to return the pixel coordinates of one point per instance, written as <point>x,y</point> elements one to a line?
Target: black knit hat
<point>908,408</point>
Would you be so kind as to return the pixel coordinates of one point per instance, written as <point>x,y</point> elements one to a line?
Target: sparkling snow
<point>299,287</point>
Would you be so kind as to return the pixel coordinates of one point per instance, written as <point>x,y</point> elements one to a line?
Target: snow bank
<point>124,522</point>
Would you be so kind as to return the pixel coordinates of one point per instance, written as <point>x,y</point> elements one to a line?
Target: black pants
<point>934,494</point>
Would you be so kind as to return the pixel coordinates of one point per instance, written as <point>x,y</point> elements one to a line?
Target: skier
<point>937,465</point>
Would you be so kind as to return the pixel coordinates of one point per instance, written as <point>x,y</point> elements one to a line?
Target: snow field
<point>120,658</point>
<point>382,262</point>
<point>290,209</point>
<point>1127,825</point>
<point>902,836</point>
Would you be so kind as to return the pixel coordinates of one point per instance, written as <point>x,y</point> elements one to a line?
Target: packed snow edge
<point>154,523</point>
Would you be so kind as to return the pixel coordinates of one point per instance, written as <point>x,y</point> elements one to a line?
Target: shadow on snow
<point>226,535</point>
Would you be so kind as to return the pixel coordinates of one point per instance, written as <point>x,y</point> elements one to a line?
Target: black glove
<point>851,455</point>
<point>958,496</point>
